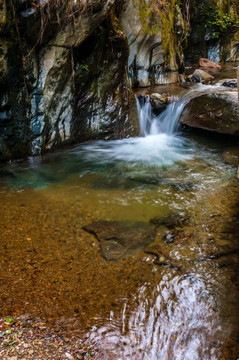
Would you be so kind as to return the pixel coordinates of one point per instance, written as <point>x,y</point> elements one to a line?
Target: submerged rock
<point>170,236</point>
<point>217,112</point>
<point>231,156</point>
<point>118,239</point>
<point>161,257</point>
<point>171,221</point>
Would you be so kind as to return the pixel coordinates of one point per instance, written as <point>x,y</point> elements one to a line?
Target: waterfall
<point>164,123</point>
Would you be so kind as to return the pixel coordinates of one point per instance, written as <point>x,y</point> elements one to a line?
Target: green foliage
<point>217,21</point>
<point>85,68</point>
<point>9,320</point>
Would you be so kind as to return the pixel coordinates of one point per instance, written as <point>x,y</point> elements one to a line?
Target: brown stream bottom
<point>180,304</point>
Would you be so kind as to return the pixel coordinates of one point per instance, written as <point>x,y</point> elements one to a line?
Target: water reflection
<point>179,319</point>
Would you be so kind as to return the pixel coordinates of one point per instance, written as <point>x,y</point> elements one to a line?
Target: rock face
<point>120,239</point>
<point>148,63</point>
<point>63,69</point>
<point>57,87</point>
<point>217,112</point>
<point>233,51</point>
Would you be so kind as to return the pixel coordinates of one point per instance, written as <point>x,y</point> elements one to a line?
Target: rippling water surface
<point>178,298</point>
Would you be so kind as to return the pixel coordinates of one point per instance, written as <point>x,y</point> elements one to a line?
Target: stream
<point>177,296</point>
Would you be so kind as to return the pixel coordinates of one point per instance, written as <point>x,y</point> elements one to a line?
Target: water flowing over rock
<point>120,239</point>
<point>231,83</point>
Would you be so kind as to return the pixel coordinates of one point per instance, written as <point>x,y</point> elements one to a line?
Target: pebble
<point>69,356</point>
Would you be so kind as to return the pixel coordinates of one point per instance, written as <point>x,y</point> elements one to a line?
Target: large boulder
<point>217,112</point>
<point>208,64</point>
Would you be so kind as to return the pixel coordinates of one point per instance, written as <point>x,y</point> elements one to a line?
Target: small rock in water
<point>118,239</point>
<point>69,356</point>
<point>194,78</point>
<point>231,156</point>
<point>232,83</point>
<point>162,259</point>
<point>159,101</point>
<point>203,75</point>
<point>169,237</point>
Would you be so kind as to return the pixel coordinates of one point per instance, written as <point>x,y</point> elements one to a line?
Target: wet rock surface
<point>162,257</point>
<point>51,97</point>
<point>159,102</point>
<point>200,75</point>
<point>231,83</point>
<point>148,63</point>
<point>171,221</point>
<point>120,239</point>
<point>231,156</point>
<point>217,112</point>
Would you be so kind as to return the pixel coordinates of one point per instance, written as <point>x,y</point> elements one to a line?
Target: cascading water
<point>164,123</point>
<point>177,299</point>
<point>160,144</point>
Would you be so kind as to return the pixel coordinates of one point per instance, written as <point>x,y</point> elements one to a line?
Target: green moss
<point>167,19</point>
<point>3,13</point>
